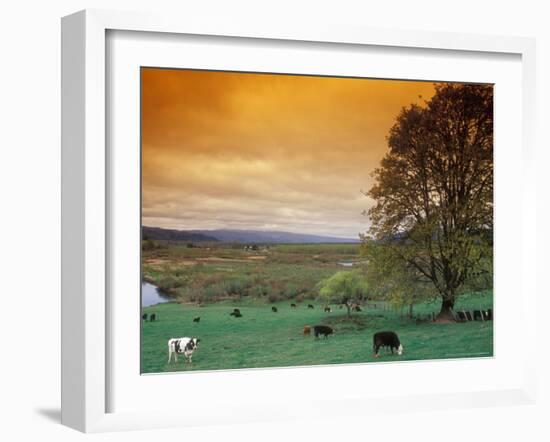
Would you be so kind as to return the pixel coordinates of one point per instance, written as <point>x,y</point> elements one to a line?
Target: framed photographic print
<point>254,237</point>
<point>249,213</point>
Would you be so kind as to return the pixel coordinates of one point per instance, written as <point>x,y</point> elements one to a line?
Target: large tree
<point>433,191</point>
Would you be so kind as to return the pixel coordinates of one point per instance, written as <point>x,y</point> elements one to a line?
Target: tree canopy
<point>344,287</point>
<point>433,194</point>
<point>391,279</point>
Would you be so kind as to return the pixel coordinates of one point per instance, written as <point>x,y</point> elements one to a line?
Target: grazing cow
<point>461,316</point>
<point>307,330</point>
<point>324,330</point>
<point>236,310</point>
<point>309,306</point>
<point>236,314</point>
<point>152,317</point>
<point>328,309</point>
<point>144,317</point>
<point>293,305</point>
<point>185,346</point>
<point>197,319</point>
<point>386,339</point>
<point>274,309</point>
<point>478,315</point>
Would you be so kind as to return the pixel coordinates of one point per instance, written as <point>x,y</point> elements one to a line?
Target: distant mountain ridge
<point>261,236</point>
<point>159,233</point>
<point>242,236</point>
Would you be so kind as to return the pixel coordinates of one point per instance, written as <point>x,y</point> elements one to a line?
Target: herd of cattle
<point>386,339</point>
<point>187,345</point>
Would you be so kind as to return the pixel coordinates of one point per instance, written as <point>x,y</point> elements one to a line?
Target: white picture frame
<point>87,209</point>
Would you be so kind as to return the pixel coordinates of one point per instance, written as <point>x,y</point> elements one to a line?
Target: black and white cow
<point>185,346</point>
<point>386,339</point>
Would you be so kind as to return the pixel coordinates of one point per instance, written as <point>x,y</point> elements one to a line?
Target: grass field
<point>262,338</point>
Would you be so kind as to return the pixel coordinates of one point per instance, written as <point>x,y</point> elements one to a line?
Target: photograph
<point>303,220</point>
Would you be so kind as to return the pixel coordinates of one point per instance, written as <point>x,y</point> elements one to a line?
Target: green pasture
<point>262,338</point>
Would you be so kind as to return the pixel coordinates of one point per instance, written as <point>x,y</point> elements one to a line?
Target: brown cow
<point>307,330</point>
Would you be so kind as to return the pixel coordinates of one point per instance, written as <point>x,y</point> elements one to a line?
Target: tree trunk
<point>446,313</point>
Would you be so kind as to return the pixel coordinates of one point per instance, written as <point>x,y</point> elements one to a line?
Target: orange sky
<point>264,152</point>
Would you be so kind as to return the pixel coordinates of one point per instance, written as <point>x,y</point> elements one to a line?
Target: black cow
<point>461,316</point>
<point>197,319</point>
<point>237,314</point>
<point>293,305</point>
<point>309,306</point>
<point>274,309</point>
<point>324,330</point>
<point>152,317</point>
<point>328,309</point>
<point>478,315</point>
<point>236,310</point>
<point>144,317</point>
<point>386,339</point>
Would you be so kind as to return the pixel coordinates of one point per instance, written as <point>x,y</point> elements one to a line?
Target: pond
<point>151,295</point>
<point>346,264</point>
<point>352,263</point>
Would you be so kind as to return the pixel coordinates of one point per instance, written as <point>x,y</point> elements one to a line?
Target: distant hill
<point>260,236</point>
<point>173,235</point>
<point>244,236</point>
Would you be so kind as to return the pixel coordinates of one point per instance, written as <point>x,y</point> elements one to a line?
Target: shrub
<point>273,297</point>
<point>290,291</point>
<point>169,283</point>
